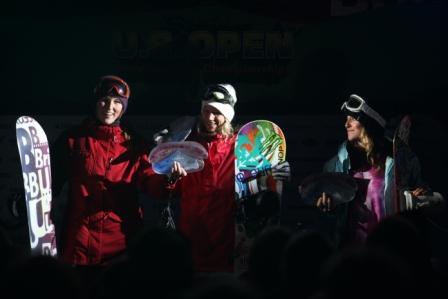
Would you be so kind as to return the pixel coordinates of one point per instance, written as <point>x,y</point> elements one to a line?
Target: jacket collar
<point>343,152</point>
<point>344,158</point>
<point>105,132</point>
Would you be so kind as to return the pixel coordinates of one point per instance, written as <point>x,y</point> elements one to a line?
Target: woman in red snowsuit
<point>104,167</point>
<point>208,205</point>
<point>208,197</point>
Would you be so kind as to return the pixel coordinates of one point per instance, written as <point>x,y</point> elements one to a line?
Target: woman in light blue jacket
<point>366,155</point>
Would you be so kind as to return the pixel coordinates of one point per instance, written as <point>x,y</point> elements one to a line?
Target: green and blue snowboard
<point>260,145</point>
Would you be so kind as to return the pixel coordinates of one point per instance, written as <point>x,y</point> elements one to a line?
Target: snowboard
<point>404,182</point>
<point>34,154</point>
<point>260,145</point>
<point>402,154</point>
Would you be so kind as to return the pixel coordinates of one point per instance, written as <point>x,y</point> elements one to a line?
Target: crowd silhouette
<point>395,260</point>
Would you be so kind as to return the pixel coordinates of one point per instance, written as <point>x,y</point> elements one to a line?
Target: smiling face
<point>354,129</point>
<point>108,110</point>
<point>212,119</point>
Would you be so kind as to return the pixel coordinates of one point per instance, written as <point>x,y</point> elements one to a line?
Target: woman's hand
<point>418,191</point>
<point>177,172</point>
<point>324,203</point>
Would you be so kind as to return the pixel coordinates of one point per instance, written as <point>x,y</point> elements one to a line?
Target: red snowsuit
<point>103,170</point>
<point>208,205</point>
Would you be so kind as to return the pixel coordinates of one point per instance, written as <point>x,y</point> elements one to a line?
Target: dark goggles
<point>218,93</point>
<point>112,86</point>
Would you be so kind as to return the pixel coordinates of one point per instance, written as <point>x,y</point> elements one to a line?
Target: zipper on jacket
<point>110,163</point>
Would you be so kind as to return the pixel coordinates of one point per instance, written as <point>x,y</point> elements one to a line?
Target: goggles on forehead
<point>112,86</point>
<point>356,104</point>
<point>218,93</point>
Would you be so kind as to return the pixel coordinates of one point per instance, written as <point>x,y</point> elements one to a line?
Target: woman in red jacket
<point>208,197</point>
<point>207,204</point>
<point>104,166</point>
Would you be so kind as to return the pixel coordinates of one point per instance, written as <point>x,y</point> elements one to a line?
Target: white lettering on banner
<point>31,184</point>
<point>25,147</point>
<point>48,249</point>
<point>246,45</point>
<point>33,133</point>
<point>44,182</point>
<point>26,154</point>
<point>41,159</point>
<point>25,183</point>
<point>39,210</point>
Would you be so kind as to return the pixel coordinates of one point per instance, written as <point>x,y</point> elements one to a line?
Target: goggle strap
<point>373,114</point>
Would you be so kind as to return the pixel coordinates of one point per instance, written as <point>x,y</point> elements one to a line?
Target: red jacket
<point>103,170</point>
<point>208,205</point>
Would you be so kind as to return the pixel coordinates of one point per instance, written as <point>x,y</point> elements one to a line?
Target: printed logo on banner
<point>344,7</point>
<point>243,54</point>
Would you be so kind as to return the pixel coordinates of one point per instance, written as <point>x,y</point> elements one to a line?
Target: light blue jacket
<point>341,163</point>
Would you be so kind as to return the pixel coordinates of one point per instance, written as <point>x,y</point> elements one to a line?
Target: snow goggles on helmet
<point>356,105</point>
<point>112,86</point>
<point>218,93</point>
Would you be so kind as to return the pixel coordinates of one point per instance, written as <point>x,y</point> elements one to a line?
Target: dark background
<point>293,62</point>
<point>393,53</point>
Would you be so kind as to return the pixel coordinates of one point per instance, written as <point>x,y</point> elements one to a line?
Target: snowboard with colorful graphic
<point>260,145</point>
<point>34,154</point>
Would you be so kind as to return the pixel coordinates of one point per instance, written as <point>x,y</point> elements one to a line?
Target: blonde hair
<point>226,129</point>
<point>373,154</point>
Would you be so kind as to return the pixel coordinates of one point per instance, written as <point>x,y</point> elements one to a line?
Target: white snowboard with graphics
<point>36,170</point>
